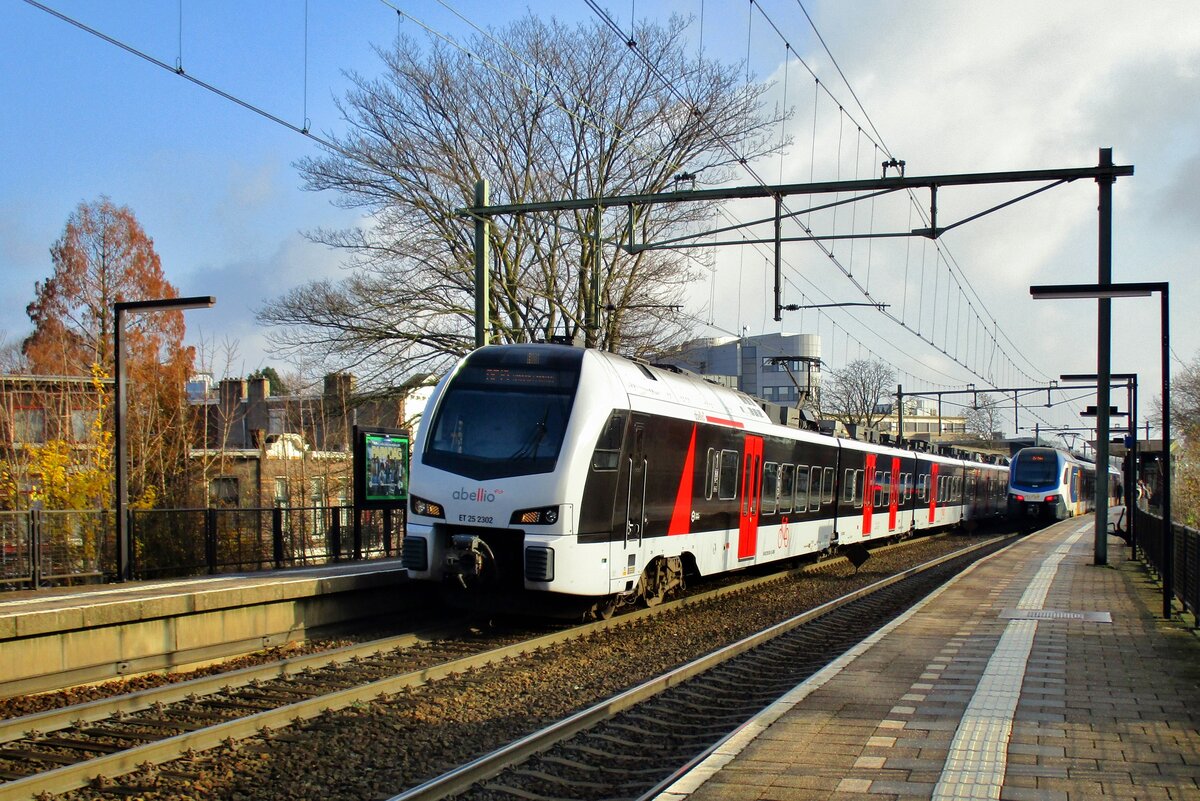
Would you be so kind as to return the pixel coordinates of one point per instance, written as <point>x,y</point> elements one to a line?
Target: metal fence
<point>1149,532</point>
<point>55,546</point>
<point>41,547</point>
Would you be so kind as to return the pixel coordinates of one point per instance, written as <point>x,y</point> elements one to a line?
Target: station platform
<point>1035,675</point>
<point>58,637</point>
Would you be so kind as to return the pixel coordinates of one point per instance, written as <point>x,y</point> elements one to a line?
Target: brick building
<point>37,409</point>
<point>254,449</point>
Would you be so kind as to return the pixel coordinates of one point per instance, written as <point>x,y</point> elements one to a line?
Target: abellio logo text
<point>477,495</point>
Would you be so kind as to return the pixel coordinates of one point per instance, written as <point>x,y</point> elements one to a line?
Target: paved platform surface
<point>1007,684</point>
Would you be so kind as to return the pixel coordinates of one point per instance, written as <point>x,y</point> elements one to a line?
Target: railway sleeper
<point>607,769</point>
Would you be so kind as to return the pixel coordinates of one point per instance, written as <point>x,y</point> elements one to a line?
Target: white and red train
<point>545,470</point>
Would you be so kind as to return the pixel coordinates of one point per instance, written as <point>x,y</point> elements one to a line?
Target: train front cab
<point>1044,486</point>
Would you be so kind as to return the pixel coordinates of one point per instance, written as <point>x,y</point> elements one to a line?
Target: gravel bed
<point>379,748</point>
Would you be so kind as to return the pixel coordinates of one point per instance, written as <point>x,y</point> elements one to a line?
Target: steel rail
<point>489,765</point>
<point>92,711</point>
<point>80,774</point>
<point>55,719</point>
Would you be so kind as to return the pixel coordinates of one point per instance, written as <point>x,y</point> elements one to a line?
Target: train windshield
<point>505,413</point>
<point>1035,469</point>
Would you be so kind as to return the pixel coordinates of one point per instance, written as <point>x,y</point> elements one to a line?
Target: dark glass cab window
<point>505,413</point>
<point>1035,469</point>
<point>607,455</point>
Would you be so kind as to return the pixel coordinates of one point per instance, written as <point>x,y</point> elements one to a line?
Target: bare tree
<point>12,359</point>
<point>857,394</point>
<point>985,419</point>
<point>543,111</point>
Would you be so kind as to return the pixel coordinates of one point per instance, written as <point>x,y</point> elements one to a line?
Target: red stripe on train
<point>681,516</point>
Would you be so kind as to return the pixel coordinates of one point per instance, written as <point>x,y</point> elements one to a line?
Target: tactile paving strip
<point>978,753</point>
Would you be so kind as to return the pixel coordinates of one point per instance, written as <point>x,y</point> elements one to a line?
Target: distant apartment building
<point>784,369</point>
<point>923,421</point>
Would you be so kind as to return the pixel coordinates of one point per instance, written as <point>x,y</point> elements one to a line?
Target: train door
<point>625,551</point>
<point>935,488</point>
<point>893,494</point>
<point>748,498</point>
<point>868,498</point>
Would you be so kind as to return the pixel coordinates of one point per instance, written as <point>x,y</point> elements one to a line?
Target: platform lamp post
<point>1105,292</point>
<point>120,309</point>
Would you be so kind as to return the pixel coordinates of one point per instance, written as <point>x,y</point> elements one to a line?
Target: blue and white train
<point>545,470</point>
<point>1053,484</point>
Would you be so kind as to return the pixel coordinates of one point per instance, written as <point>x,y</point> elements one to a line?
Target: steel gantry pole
<point>482,276</point>
<point>1103,358</point>
<point>125,548</point>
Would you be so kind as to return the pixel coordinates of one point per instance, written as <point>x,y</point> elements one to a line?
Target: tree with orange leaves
<point>104,256</point>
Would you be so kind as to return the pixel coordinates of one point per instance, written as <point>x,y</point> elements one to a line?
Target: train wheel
<point>659,579</point>
<point>604,609</point>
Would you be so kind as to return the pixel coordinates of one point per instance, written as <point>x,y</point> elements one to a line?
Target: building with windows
<point>922,420</point>
<point>38,409</point>
<point>254,449</point>
<point>784,369</point>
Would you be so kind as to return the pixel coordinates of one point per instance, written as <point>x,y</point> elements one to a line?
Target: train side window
<point>848,487</point>
<point>827,484</point>
<point>923,487</point>
<point>880,497</point>
<point>859,478</point>
<point>787,486</point>
<point>727,488</point>
<point>802,488</point>
<point>607,455</point>
<point>712,474</point>
<point>770,488</point>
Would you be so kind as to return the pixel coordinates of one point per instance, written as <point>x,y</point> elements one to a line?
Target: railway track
<point>67,749</point>
<point>637,744</point>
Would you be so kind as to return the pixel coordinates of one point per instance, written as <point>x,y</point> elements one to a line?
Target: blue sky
<point>951,87</point>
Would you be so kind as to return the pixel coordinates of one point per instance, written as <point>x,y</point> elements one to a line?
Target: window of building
<point>29,426</point>
<point>223,491</point>
<point>282,498</point>
<point>82,423</point>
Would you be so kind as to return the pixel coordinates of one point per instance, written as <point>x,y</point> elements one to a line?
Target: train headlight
<point>425,508</point>
<point>1051,499</point>
<point>543,516</point>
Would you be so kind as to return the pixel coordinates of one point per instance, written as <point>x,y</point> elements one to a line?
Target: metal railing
<point>42,547</point>
<point>1186,552</point>
<point>54,546</point>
